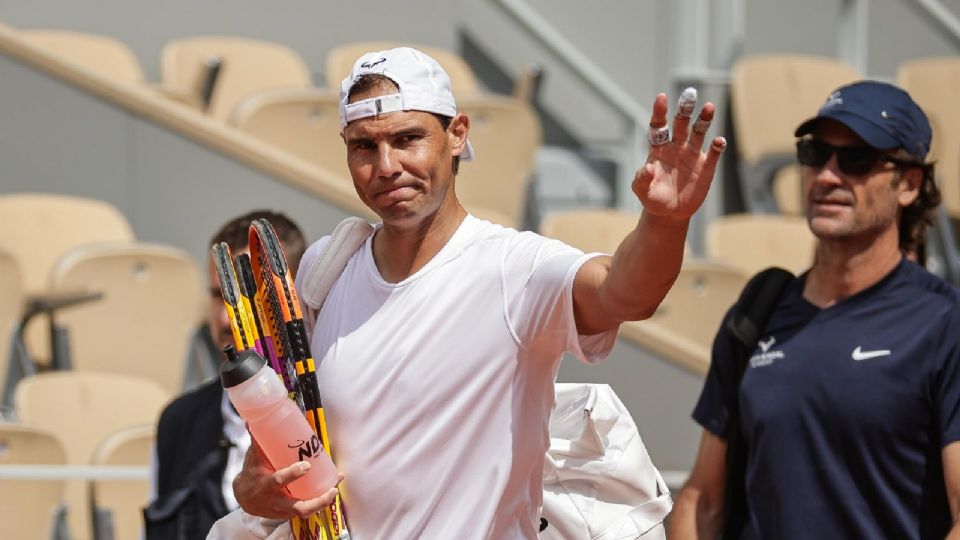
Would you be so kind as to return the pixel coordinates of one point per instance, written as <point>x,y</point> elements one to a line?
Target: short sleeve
<point>718,395</point>
<point>537,276</point>
<point>946,386</point>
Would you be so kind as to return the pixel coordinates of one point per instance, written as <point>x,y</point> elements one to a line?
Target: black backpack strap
<point>756,304</point>
<point>747,321</point>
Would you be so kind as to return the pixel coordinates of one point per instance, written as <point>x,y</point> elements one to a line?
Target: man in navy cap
<point>849,408</point>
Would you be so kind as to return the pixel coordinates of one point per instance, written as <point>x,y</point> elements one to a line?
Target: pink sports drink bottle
<point>276,422</point>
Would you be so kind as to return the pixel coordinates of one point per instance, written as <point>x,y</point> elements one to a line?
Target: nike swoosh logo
<point>765,346</point>
<point>866,355</point>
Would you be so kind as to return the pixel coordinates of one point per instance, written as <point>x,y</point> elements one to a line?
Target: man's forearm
<point>644,267</point>
<point>694,517</point>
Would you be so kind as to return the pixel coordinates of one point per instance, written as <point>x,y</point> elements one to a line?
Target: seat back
<point>28,507</point>
<point>43,226</point>
<point>304,122</point>
<point>772,94</point>
<point>11,291</point>
<point>934,83</point>
<point>40,227</point>
<point>82,408</point>
<point>124,499</point>
<point>505,133</point>
<point>102,55</point>
<point>683,327</point>
<point>591,230</point>
<point>247,66</point>
<point>143,323</point>
<point>695,305</point>
<point>341,58</point>
<point>752,242</point>
<point>787,188</point>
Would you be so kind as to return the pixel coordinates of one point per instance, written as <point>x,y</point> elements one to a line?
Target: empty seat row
<point>239,66</point>
<point>138,303</point>
<point>77,418</point>
<point>265,89</point>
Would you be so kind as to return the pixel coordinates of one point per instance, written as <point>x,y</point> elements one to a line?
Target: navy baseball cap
<point>881,114</point>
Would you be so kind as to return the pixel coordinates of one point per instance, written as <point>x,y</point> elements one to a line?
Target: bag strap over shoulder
<point>756,304</point>
<point>319,278</point>
<point>747,321</point>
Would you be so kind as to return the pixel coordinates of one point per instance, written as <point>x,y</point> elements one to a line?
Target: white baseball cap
<point>424,86</point>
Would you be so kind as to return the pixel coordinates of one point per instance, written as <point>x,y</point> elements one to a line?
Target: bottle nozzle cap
<point>240,367</point>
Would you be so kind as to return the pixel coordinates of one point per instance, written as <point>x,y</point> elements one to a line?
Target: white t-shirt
<point>438,389</point>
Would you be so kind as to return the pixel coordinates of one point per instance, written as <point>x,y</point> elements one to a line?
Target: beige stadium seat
<point>28,508</point>
<point>103,55</point>
<point>11,291</point>
<point>590,230</point>
<point>247,66</point>
<point>770,96</point>
<point>935,84</point>
<point>143,324</point>
<point>752,242</point>
<point>304,122</point>
<point>340,61</point>
<point>118,504</point>
<point>787,188</point>
<point>43,226</point>
<point>683,327</point>
<point>82,408</point>
<point>505,133</point>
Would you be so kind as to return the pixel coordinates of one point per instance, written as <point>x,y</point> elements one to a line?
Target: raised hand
<point>261,491</point>
<point>677,174</point>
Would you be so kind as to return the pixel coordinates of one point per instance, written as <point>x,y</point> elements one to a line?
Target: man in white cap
<point>438,346</point>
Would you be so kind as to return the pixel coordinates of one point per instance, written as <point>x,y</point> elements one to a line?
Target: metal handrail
<point>74,472</point>
<point>585,68</point>
<point>595,77</point>
<point>948,20</point>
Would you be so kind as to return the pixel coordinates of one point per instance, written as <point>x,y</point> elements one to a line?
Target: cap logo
<point>833,100</point>
<point>368,65</point>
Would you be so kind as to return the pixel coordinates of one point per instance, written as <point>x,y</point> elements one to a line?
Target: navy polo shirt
<point>845,411</point>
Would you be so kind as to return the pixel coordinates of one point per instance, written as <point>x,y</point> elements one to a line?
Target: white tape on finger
<point>701,126</point>
<point>687,102</point>
<point>658,136</point>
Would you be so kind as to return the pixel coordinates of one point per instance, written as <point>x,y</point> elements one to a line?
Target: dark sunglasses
<point>852,160</point>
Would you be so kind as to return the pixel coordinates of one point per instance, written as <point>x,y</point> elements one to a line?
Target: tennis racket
<point>282,313</point>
